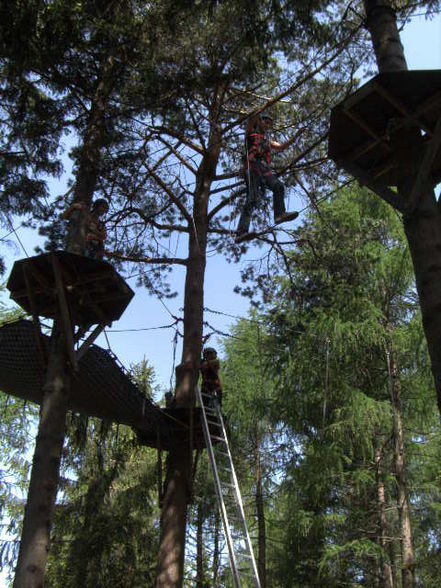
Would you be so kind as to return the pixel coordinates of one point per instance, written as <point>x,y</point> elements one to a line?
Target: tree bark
<point>90,156</point>
<point>178,477</point>
<point>386,568</point>
<point>407,553</point>
<point>423,225</point>
<point>40,507</point>
<point>216,555</point>
<point>199,550</point>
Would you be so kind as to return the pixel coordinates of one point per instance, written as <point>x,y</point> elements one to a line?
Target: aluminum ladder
<point>240,551</point>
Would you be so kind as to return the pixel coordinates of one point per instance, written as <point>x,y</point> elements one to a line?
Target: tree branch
<point>149,260</point>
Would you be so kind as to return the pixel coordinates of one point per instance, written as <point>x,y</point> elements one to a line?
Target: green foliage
<point>105,529</point>
<point>346,289</point>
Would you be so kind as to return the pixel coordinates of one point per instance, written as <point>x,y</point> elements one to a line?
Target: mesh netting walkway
<point>100,388</point>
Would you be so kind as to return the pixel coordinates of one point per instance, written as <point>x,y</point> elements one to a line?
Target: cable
<point>16,235</point>
<point>171,325</point>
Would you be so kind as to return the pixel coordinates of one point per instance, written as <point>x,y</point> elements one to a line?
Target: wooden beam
<point>365,148</point>
<point>429,103</point>
<point>90,339</point>
<point>365,179</point>
<point>159,465</point>
<point>363,125</point>
<point>358,95</point>
<point>64,311</point>
<point>402,108</point>
<point>23,293</point>
<point>430,153</point>
<point>39,276</point>
<point>36,319</point>
<point>380,170</point>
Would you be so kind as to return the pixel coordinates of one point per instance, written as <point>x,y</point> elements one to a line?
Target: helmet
<point>100,201</point>
<point>209,351</point>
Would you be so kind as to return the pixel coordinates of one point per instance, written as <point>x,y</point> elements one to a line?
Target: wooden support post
<point>366,128</point>
<point>36,318</point>
<point>191,445</point>
<point>402,109</point>
<point>159,465</point>
<point>430,153</point>
<point>90,339</point>
<point>365,179</point>
<point>64,311</point>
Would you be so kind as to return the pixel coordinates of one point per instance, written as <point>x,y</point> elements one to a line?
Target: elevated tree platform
<point>90,290</point>
<point>100,388</point>
<point>365,126</point>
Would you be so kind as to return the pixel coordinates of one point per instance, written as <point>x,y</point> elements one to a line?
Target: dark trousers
<point>256,186</point>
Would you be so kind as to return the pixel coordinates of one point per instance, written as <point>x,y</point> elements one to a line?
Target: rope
<point>175,343</point>
<point>16,235</point>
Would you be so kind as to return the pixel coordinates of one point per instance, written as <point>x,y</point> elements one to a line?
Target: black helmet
<point>100,201</point>
<point>208,350</point>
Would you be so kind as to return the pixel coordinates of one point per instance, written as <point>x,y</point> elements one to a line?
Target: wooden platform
<point>100,389</point>
<point>93,289</point>
<point>361,125</point>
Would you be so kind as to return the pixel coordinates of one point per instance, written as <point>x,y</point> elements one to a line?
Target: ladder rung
<point>217,423</point>
<point>218,438</point>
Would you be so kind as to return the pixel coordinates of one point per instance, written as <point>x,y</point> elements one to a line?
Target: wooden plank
<point>39,276</point>
<point>430,153</point>
<point>90,339</point>
<point>23,293</point>
<point>396,103</point>
<point>36,319</point>
<point>64,311</point>
<point>363,125</point>
<point>364,148</point>
<point>95,277</point>
<point>365,179</point>
<point>379,171</point>
<point>357,96</point>
<point>434,100</point>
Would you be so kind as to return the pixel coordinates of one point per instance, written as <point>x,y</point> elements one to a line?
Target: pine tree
<point>350,287</point>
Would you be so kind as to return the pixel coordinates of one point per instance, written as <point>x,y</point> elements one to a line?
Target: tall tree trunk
<point>261,547</point>
<point>216,555</point>
<point>386,568</point>
<point>40,507</point>
<point>89,159</point>
<point>199,549</point>
<point>178,476</point>
<point>423,226</point>
<point>407,554</point>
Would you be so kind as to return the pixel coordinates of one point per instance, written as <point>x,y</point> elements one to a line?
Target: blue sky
<point>422,42</point>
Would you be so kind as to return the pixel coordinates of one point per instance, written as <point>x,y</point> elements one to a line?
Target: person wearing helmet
<point>211,384</point>
<point>259,174</point>
<point>96,230</point>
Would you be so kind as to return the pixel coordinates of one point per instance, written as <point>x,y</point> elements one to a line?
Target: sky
<point>135,335</point>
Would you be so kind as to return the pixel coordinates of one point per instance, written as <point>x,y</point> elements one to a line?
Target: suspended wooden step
<point>100,388</point>
<point>363,124</point>
<point>90,290</point>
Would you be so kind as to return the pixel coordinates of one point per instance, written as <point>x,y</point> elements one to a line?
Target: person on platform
<point>95,227</point>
